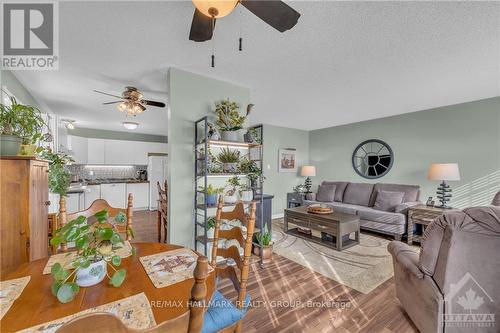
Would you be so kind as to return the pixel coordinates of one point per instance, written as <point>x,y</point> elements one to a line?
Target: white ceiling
<point>344,61</point>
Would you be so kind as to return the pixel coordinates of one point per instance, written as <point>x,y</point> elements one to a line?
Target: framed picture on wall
<point>287,160</point>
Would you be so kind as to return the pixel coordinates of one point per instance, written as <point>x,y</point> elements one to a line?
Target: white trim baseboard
<point>277,216</point>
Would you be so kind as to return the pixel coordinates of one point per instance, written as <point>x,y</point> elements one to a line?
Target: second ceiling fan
<point>277,14</point>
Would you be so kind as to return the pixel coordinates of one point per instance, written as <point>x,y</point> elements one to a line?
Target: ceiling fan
<point>132,101</point>
<point>277,14</point>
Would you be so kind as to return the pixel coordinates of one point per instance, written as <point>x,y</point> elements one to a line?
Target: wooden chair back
<point>162,210</point>
<point>227,271</point>
<point>191,321</point>
<point>95,207</point>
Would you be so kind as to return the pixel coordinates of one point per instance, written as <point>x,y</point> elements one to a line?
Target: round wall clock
<point>372,159</point>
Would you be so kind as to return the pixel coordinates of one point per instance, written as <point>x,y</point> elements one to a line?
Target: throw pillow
<point>387,201</point>
<point>326,193</point>
<point>496,199</point>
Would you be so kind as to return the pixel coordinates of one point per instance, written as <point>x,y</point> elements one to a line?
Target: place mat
<point>170,267</point>
<point>65,259</point>
<point>10,290</point>
<point>134,311</point>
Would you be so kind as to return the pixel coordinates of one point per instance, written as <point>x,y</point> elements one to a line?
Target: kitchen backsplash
<point>109,171</point>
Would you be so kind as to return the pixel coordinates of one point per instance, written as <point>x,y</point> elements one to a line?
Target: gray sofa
<point>359,199</point>
<point>456,274</point>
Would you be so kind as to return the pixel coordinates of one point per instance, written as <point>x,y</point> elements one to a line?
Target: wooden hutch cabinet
<point>23,210</point>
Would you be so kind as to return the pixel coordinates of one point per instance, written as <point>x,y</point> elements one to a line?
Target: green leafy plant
<point>232,185</point>
<point>211,190</point>
<point>228,155</point>
<point>250,168</point>
<point>299,188</point>
<point>264,237</point>
<point>228,116</point>
<point>24,121</point>
<point>254,135</point>
<point>59,176</point>
<point>93,243</point>
<point>211,222</point>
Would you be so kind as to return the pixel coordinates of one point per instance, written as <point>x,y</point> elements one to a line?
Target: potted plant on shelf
<point>229,121</point>
<point>21,127</point>
<point>211,194</point>
<point>246,193</point>
<point>229,159</point>
<point>252,136</point>
<point>95,250</point>
<point>265,244</point>
<point>231,194</point>
<point>251,169</point>
<point>211,226</point>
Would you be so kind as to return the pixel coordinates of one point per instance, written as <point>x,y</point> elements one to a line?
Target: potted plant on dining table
<point>95,251</point>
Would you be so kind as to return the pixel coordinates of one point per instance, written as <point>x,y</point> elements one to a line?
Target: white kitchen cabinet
<point>140,152</point>
<point>79,146</point>
<point>92,193</point>
<point>114,194</point>
<point>74,202</point>
<point>118,152</point>
<point>140,192</point>
<point>95,151</point>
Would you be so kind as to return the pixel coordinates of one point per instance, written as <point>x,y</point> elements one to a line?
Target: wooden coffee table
<point>336,224</point>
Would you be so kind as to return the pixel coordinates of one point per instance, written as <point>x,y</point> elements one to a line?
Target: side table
<point>294,199</point>
<point>423,215</point>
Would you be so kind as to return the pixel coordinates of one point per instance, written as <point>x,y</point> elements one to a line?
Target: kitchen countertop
<point>116,181</point>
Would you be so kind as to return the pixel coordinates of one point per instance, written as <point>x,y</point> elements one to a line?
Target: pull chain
<point>240,40</point>
<point>213,42</point>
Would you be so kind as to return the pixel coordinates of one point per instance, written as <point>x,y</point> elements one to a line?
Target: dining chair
<point>97,206</point>
<point>162,212</point>
<point>222,315</point>
<point>190,322</point>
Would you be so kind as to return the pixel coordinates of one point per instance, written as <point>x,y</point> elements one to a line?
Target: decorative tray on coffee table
<point>319,209</point>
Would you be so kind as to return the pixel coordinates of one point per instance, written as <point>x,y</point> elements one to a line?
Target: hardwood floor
<point>288,297</point>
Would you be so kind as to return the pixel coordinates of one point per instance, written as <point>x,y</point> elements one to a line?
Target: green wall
<point>116,135</point>
<point>465,133</point>
<point>278,184</point>
<point>191,97</point>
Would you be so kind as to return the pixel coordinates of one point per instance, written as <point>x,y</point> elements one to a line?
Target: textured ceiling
<point>344,61</point>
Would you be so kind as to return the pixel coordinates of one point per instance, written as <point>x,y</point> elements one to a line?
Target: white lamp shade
<point>308,171</point>
<point>443,171</point>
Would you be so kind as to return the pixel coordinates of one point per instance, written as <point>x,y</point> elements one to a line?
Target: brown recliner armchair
<point>454,284</point>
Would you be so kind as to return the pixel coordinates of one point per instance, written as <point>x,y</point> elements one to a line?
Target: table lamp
<point>308,171</point>
<point>443,172</point>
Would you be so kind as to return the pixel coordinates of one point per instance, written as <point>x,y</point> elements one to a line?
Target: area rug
<point>361,267</point>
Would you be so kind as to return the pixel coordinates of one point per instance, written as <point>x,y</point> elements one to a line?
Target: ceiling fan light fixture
<point>130,125</point>
<point>122,107</point>
<point>216,9</point>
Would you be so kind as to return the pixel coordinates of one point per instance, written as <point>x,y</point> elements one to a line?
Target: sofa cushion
<point>367,213</point>
<point>412,192</point>
<point>326,193</point>
<point>496,199</point>
<point>388,201</point>
<point>358,194</point>
<point>339,190</point>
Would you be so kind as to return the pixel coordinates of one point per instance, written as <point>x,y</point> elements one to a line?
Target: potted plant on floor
<point>229,121</point>
<point>265,244</point>
<point>95,251</point>
<point>211,194</point>
<point>231,194</point>
<point>229,159</point>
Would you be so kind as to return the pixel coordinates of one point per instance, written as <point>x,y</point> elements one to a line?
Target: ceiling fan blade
<point>201,27</point>
<point>100,92</point>
<point>153,103</point>
<point>111,102</point>
<point>277,14</point>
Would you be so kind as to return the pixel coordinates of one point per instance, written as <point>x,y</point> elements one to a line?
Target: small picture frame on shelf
<point>287,160</point>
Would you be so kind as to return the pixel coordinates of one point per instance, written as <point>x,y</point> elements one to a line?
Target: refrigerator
<point>157,172</point>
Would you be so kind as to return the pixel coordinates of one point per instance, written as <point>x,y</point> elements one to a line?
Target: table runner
<point>10,290</point>
<point>65,259</point>
<point>134,311</point>
<point>170,267</point>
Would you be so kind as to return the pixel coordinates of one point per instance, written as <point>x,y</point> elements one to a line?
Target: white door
<point>95,151</point>
<point>140,192</point>
<point>114,194</point>
<point>93,193</point>
<point>157,170</point>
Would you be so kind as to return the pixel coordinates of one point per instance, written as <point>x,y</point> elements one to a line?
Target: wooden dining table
<point>36,305</point>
